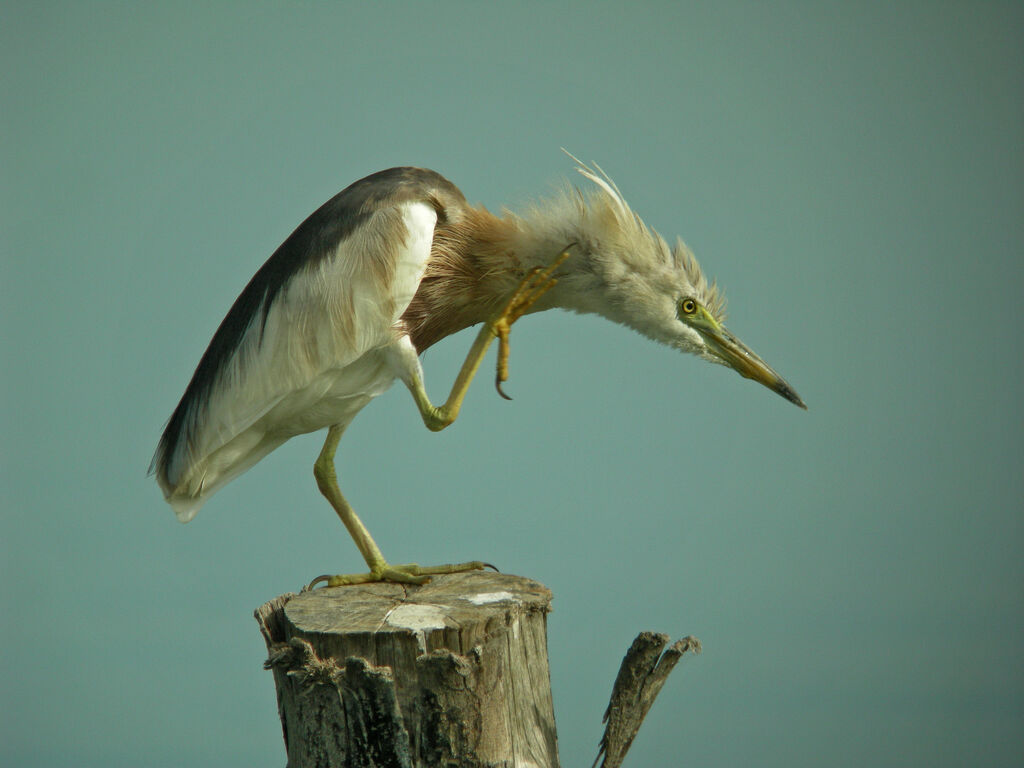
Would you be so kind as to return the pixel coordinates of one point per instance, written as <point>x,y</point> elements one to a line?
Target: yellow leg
<point>533,286</point>
<point>380,569</point>
<point>536,283</point>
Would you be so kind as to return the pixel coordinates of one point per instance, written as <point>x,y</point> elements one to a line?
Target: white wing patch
<point>419,220</point>
<point>318,359</point>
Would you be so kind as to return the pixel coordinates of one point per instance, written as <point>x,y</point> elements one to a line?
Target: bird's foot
<point>537,282</point>
<point>409,573</point>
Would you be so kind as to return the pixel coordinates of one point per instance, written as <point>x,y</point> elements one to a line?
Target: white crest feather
<point>635,229</point>
<point>604,181</point>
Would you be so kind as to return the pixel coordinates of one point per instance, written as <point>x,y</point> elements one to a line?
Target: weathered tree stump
<point>453,673</point>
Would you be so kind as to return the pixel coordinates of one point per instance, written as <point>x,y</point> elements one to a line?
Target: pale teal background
<point>852,173</point>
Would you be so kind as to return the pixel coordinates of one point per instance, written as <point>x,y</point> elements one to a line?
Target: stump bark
<point>453,673</point>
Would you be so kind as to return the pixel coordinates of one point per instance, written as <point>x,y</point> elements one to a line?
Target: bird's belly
<point>333,397</point>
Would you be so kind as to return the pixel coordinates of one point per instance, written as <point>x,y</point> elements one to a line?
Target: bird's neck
<point>478,259</point>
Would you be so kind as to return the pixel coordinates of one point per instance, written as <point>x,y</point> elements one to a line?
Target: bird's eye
<point>687,306</point>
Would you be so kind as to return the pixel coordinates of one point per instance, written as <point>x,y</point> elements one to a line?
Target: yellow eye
<point>688,306</point>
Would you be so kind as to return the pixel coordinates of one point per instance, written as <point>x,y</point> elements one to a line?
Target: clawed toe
<point>409,573</point>
<point>537,282</point>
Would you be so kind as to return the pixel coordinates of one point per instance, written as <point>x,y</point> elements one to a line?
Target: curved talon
<point>497,385</point>
<point>309,587</point>
<point>492,567</point>
<point>537,282</point>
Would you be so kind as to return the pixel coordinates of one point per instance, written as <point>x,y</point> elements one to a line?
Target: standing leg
<point>380,570</point>
<point>533,286</point>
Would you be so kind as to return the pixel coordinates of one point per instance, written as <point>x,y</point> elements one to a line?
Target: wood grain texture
<point>643,673</point>
<point>453,673</point>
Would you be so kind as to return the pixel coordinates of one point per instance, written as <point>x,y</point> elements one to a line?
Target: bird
<point>388,267</point>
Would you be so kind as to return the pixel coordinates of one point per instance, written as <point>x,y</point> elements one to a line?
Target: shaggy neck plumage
<point>477,260</point>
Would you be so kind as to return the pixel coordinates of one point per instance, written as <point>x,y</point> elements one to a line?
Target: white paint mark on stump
<point>490,597</point>
<point>418,617</point>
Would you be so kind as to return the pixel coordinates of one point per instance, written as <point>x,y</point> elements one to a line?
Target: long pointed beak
<point>742,359</point>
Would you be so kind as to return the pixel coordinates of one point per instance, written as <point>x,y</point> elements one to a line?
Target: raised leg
<point>536,283</point>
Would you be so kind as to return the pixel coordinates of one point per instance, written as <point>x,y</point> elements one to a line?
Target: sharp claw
<point>492,567</point>
<point>535,284</point>
<point>309,587</point>
<point>497,385</point>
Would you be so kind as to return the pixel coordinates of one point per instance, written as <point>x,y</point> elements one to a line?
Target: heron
<point>389,266</point>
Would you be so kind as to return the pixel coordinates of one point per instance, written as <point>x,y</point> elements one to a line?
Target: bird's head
<point>628,273</point>
<point>707,336</point>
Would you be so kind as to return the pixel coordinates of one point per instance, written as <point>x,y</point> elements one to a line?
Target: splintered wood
<point>643,672</point>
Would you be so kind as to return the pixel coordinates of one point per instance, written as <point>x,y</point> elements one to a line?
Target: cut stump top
<point>445,613</point>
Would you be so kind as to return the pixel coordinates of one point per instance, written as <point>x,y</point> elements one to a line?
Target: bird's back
<point>299,348</point>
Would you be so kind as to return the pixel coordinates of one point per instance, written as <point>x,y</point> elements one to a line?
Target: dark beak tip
<point>792,396</point>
